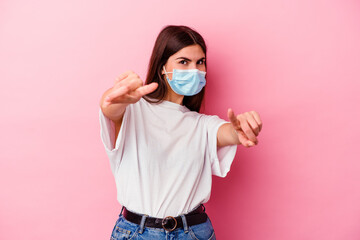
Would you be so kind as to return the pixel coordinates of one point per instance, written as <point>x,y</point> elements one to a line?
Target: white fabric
<point>164,157</point>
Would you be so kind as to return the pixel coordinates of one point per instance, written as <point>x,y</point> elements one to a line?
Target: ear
<point>162,70</point>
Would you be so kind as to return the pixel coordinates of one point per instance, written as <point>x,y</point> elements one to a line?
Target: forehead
<point>191,52</point>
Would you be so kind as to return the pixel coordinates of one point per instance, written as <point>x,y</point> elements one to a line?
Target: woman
<point>162,151</point>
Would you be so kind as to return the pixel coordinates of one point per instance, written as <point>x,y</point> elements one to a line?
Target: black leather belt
<point>169,223</point>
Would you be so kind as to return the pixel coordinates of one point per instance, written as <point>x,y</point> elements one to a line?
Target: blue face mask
<point>187,82</point>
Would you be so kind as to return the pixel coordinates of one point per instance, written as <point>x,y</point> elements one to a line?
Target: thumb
<point>146,89</point>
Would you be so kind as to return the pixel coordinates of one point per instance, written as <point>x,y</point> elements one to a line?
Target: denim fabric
<point>124,229</point>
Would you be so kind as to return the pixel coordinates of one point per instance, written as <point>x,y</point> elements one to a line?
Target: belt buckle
<point>166,223</point>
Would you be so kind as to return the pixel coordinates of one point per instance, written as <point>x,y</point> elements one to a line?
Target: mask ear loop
<point>166,73</point>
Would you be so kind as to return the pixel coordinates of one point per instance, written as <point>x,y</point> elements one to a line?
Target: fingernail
<point>250,143</point>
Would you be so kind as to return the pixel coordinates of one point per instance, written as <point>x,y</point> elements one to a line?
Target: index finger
<point>117,93</point>
<point>123,76</point>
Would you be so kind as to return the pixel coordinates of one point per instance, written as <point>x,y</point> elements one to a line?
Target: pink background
<point>294,62</point>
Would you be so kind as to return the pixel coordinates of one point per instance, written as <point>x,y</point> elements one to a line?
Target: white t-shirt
<point>164,157</point>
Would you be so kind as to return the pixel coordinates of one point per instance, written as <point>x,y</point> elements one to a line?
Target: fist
<point>247,126</point>
<point>128,88</point>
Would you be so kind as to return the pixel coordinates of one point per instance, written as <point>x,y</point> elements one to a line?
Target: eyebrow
<point>188,59</point>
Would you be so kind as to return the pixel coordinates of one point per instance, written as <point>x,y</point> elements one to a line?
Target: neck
<point>175,98</point>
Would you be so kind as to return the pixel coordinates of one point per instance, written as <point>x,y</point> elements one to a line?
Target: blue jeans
<point>124,229</point>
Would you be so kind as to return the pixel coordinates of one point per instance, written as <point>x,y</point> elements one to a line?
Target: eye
<point>183,62</point>
<point>201,62</point>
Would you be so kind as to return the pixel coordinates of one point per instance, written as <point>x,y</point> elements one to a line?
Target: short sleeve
<point>107,133</point>
<point>220,158</point>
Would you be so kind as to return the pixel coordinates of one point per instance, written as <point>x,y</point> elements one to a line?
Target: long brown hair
<point>170,40</point>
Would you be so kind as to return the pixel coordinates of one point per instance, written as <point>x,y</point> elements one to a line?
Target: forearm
<point>227,135</point>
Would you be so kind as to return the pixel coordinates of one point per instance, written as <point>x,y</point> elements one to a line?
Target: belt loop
<point>184,223</point>
<point>121,211</point>
<point>142,223</point>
